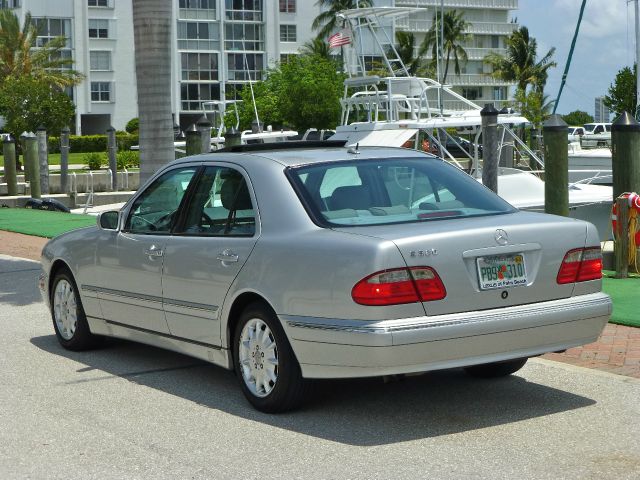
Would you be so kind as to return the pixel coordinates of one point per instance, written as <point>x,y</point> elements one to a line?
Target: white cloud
<point>602,18</point>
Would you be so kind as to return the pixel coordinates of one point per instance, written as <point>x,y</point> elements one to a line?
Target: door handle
<point>227,256</point>
<point>153,251</point>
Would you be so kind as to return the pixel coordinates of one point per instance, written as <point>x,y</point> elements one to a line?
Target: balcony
<point>477,79</point>
<point>476,28</point>
<point>459,105</point>
<point>493,4</point>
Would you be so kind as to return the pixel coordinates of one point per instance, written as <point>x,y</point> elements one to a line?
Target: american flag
<point>339,39</point>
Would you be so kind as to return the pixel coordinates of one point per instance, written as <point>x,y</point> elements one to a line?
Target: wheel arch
<point>56,267</point>
<point>238,305</point>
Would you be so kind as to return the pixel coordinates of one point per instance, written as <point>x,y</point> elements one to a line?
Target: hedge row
<point>92,143</point>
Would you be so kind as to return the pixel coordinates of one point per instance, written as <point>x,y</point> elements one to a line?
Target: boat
<point>590,165</point>
<point>401,110</point>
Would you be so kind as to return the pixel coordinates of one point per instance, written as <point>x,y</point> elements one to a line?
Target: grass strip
<point>42,223</point>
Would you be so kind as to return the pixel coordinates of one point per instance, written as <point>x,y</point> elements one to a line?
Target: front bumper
<point>335,348</point>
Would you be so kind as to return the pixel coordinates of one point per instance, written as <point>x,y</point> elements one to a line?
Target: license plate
<point>501,271</point>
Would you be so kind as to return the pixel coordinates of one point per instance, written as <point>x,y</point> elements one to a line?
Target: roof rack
<point>258,147</point>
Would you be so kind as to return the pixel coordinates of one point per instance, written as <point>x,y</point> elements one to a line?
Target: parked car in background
<point>289,262</point>
<point>575,133</point>
<point>596,135</point>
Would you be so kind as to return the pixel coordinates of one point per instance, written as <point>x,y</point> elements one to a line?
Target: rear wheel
<point>69,320</point>
<point>497,369</point>
<point>265,364</point>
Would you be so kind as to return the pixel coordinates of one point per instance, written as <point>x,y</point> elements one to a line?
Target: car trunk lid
<point>478,257</point>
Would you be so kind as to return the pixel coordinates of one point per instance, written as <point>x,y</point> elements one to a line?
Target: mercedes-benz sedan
<point>297,262</point>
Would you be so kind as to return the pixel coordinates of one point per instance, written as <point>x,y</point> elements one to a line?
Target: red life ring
<point>634,203</point>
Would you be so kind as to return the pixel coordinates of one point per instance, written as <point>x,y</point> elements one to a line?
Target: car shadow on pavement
<point>18,279</point>
<point>360,412</point>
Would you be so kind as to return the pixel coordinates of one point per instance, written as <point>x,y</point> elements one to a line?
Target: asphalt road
<point>132,411</point>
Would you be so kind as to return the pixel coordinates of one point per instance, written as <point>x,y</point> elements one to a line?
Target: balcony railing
<point>477,79</point>
<point>477,28</point>
<point>495,4</point>
<point>459,105</point>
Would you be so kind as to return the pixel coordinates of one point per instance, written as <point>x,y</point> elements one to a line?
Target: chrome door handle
<point>227,257</point>
<point>153,251</point>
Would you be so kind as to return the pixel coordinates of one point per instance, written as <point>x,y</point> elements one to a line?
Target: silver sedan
<point>300,262</point>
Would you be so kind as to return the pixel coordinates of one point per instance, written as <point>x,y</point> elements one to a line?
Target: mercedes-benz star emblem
<point>501,237</point>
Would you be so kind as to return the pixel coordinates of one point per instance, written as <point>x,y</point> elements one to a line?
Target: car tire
<point>266,367</point>
<point>69,319</point>
<point>497,369</point>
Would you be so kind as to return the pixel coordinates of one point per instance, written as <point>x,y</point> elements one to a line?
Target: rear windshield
<point>395,190</point>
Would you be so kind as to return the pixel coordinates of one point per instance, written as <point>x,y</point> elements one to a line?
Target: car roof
<point>291,157</point>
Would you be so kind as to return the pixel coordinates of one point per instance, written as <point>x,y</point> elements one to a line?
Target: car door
<point>129,284</point>
<point>210,245</point>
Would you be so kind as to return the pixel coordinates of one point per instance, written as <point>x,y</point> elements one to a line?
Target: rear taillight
<point>580,265</point>
<point>400,285</point>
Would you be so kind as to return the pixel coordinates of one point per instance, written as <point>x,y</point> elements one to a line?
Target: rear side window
<point>374,192</point>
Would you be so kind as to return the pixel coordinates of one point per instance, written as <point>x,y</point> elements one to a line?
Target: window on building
<point>244,36</point>
<point>499,93</point>
<point>288,6</point>
<point>373,62</point>
<point>50,28</point>
<point>199,66</point>
<point>98,28</point>
<point>288,33</point>
<point>245,66</point>
<point>100,91</point>
<point>495,41</point>
<point>100,60</point>
<point>100,3</point>
<point>193,95</point>
<point>472,93</point>
<point>245,10</point>
<point>198,4</point>
<point>198,36</point>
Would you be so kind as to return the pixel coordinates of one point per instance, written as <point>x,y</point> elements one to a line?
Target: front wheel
<point>497,369</point>
<point>265,364</point>
<point>69,320</point>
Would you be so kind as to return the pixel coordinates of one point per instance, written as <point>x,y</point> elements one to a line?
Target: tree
<point>521,65</point>
<point>152,39</point>
<point>21,56</point>
<point>622,92</point>
<point>316,46</point>
<point>328,20</point>
<point>454,27</point>
<point>29,102</point>
<point>577,118</point>
<point>405,48</point>
<point>303,92</point>
<point>534,105</point>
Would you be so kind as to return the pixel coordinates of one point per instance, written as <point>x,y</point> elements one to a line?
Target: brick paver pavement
<point>616,351</point>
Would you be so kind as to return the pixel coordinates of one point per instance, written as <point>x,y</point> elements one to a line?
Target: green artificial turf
<point>41,223</point>
<point>625,293</point>
<point>75,158</point>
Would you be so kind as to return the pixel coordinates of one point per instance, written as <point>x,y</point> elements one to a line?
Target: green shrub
<point>127,159</point>
<point>92,143</point>
<point>94,160</point>
<point>132,125</point>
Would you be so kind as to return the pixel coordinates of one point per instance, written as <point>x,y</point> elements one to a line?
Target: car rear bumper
<point>334,348</point>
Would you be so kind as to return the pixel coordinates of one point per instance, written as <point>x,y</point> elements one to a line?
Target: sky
<point>605,44</point>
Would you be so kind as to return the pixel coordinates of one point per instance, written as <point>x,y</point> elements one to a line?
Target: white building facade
<point>220,45</point>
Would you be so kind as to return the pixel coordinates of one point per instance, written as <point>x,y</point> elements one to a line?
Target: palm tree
<point>318,47</point>
<point>454,28</point>
<point>405,48</point>
<point>328,21</point>
<point>152,38</point>
<point>520,63</point>
<point>21,56</point>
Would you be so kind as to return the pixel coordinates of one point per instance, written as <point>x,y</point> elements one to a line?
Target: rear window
<point>384,191</point>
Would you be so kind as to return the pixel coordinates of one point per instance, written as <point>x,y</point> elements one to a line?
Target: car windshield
<point>395,190</point>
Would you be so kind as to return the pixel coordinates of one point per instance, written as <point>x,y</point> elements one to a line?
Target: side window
<point>221,205</point>
<point>155,211</point>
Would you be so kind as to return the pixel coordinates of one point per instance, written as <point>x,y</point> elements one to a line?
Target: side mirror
<point>109,220</point>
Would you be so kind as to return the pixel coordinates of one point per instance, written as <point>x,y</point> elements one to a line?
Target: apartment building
<point>220,45</point>
<point>490,23</point>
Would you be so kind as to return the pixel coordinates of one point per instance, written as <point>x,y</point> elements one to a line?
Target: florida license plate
<point>501,271</point>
